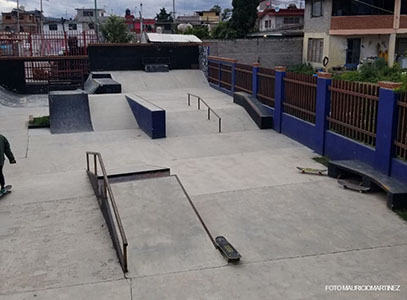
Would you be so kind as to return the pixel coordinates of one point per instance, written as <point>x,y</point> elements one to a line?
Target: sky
<point>60,8</point>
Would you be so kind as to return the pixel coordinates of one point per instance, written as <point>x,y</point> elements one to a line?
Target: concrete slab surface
<point>296,233</point>
<point>162,228</point>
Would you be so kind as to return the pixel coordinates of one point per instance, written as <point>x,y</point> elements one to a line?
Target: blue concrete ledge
<point>221,89</point>
<point>299,130</point>
<point>151,118</point>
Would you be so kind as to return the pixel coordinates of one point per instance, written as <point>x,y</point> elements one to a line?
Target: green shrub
<point>302,69</point>
<point>41,121</point>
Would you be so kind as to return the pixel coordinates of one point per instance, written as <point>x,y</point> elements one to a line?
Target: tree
<point>224,32</point>
<point>116,31</point>
<point>216,8</point>
<point>227,14</point>
<point>244,16</point>
<point>164,17</point>
<point>201,32</point>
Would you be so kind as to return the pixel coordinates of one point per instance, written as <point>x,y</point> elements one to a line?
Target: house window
<point>291,20</point>
<point>88,13</point>
<point>315,50</point>
<point>73,27</point>
<point>53,27</point>
<point>8,17</point>
<point>91,26</point>
<point>316,8</point>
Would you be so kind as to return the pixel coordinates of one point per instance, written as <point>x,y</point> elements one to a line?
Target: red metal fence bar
<point>39,70</point>
<point>266,86</point>
<point>244,78</point>
<point>401,139</point>
<point>300,96</point>
<point>67,43</point>
<point>213,72</point>
<point>354,108</point>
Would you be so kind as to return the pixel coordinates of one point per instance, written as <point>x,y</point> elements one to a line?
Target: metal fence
<point>300,96</point>
<point>244,78</point>
<point>39,70</point>
<point>354,108</point>
<point>226,76</point>
<point>266,86</point>
<point>46,44</point>
<point>213,72</point>
<point>401,140</point>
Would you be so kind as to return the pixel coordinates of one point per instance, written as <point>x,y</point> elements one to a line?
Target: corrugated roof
<point>172,38</point>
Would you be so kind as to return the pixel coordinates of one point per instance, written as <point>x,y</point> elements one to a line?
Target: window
<point>8,17</point>
<point>53,27</point>
<point>291,20</point>
<point>88,13</point>
<point>315,50</point>
<point>91,26</point>
<point>73,27</point>
<point>316,8</point>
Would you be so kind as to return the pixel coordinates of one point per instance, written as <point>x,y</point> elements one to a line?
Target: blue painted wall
<point>153,123</point>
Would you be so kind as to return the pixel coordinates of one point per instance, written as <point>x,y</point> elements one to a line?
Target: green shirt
<point>5,150</point>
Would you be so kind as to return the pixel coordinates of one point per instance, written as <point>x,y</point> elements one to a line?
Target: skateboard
<point>8,191</point>
<point>313,171</point>
<point>353,186</point>
<point>227,250</point>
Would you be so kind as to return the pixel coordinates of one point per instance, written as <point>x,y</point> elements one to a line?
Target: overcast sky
<point>59,8</point>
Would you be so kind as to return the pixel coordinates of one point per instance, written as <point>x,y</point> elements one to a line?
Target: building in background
<point>61,25</point>
<point>134,24</point>
<point>344,33</point>
<point>271,20</point>
<point>86,17</point>
<point>29,21</point>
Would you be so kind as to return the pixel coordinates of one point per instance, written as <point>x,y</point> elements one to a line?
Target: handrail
<point>209,109</point>
<point>122,254</point>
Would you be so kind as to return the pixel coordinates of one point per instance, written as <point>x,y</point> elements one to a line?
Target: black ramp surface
<point>69,112</point>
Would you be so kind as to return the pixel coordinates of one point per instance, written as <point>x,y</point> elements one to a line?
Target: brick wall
<point>269,52</point>
<point>362,22</point>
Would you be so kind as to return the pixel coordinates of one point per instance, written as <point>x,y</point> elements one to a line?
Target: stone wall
<point>269,52</point>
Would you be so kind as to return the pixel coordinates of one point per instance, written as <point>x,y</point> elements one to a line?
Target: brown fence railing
<point>401,140</point>
<point>266,86</point>
<point>300,96</point>
<point>213,72</point>
<point>46,44</point>
<point>226,77</point>
<point>39,70</point>
<point>354,108</point>
<point>244,78</point>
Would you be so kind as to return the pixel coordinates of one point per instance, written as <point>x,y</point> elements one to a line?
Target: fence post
<point>233,77</point>
<point>387,115</point>
<point>323,106</point>
<point>279,97</point>
<point>85,47</point>
<point>255,79</point>
<point>30,41</point>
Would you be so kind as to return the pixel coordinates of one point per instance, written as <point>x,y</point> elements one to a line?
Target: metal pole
<point>41,20</point>
<point>173,10</point>
<point>220,125</point>
<point>141,21</point>
<point>209,113</point>
<point>199,103</point>
<point>96,21</point>
<point>18,16</point>
<point>189,99</point>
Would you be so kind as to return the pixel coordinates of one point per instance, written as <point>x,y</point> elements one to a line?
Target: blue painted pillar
<point>233,76</point>
<point>323,105</point>
<point>387,115</point>
<point>279,96</point>
<point>255,79</point>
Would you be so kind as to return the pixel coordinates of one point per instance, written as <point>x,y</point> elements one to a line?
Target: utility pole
<point>96,21</point>
<point>41,20</point>
<point>18,16</point>
<point>173,10</point>
<point>141,22</point>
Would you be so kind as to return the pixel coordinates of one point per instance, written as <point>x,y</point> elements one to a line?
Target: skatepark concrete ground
<point>296,233</point>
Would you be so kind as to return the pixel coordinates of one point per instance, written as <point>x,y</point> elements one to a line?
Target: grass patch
<point>323,160</point>
<point>40,122</point>
<point>301,69</point>
<point>402,214</point>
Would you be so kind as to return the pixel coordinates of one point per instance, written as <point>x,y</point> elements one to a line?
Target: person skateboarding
<point>4,151</point>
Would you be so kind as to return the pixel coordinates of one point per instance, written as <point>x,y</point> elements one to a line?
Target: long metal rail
<point>113,220</point>
<point>210,110</point>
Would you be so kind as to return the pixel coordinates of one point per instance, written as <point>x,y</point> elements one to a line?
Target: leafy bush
<point>224,32</point>
<point>302,69</point>
<point>375,72</point>
<point>201,32</point>
<point>116,31</point>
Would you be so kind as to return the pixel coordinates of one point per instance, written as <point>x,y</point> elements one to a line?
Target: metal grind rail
<point>109,207</point>
<point>210,110</point>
